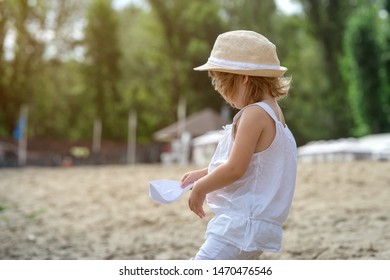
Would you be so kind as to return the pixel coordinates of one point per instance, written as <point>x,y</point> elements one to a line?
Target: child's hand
<point>195,202</point>
<point>192,177</point>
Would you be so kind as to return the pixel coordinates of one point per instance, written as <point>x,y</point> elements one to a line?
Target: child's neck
<point>270,100</point>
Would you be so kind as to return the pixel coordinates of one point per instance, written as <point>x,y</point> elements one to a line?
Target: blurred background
<point>100,81</point>
<point>100,84</point>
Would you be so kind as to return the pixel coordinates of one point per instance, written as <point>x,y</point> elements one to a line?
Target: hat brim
<point>263,72</point>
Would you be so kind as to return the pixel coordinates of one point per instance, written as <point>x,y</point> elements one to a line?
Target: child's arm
<point>192,176</point>
<point>252,123</point>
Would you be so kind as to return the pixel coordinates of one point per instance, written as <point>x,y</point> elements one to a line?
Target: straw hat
<point>244,52</point>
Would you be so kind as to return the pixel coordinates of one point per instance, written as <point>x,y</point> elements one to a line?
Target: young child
<point>250,181</point>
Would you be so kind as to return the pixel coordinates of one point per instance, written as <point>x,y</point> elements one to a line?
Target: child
<point>250,181</point>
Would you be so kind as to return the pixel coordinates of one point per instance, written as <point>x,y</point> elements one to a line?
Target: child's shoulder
<point>254,116</point>
<point>254,111</point>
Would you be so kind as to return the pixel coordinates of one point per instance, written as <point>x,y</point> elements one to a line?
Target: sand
<point>340,211</point>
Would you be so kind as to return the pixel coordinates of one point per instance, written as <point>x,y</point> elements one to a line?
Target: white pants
<point>216,249</point>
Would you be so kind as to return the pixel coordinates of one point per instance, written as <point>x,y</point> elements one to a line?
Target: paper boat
<point>166,191</point>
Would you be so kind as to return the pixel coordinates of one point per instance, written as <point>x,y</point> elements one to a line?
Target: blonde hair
<point>256,87</point>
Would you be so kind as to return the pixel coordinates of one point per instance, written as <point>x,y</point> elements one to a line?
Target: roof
<point>211,137</point>
<point>196,124</point>
<point>375,146</point>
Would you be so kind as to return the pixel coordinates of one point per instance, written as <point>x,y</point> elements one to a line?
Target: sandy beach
<point>340,211</point>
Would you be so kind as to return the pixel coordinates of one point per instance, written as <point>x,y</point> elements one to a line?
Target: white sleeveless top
<point>249,213</point>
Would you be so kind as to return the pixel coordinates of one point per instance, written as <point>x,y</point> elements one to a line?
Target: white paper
<point>166,191</point>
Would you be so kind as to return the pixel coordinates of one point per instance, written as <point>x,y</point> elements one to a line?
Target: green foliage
<point>18,76</point>
<point>102,71</point>
<point>184,43</point>
<point>3,94</point>
<point>327,22</point>
<point>304,108</point>
<point>259,16</point>
<point>3,207</point>
<point>365,73</point>
<point>181,37</point>
<point>140,59</point>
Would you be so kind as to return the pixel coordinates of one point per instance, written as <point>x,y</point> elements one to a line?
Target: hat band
<point>240,65</point>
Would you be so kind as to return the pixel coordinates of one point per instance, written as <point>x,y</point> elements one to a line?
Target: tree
<point>42,35</point>
<point>3,65</point>
<point>102,69</point>
<point>20,73</point>
<point>365,72</point>
<point>259,16</point>
<point>189,30</point>
<point>328,21</point>
<point>304,107</point>
<point>183,35</point>
<point>387,34</point>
